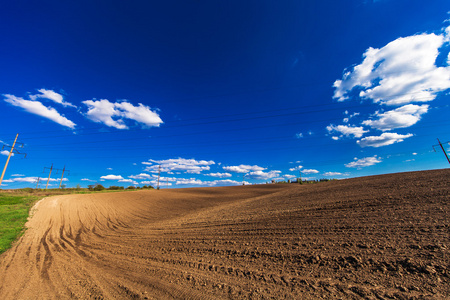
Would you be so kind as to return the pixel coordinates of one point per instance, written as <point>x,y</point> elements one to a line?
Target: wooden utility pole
<point>37,182</point>
<point>443,150</point>
<point>50,173</point>
<point>13,150</point>
<point>60,183</point>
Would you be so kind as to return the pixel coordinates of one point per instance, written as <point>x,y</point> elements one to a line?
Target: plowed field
<point>381,237</point>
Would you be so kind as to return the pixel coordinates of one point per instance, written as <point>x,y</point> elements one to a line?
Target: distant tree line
<point>99,187</point>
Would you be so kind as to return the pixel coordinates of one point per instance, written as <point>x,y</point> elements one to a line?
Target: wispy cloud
<point>37,108</point>
<point>112,114</point>
<point>384,139</point>
<point>51,95</point>
<point>331,174</point>
<point>354,131</point>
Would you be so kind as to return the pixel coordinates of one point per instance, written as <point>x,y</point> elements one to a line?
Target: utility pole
<point>37,182</point>
<point>13,150</point>
<point>159,174</point>
<point>50,173</point>
<point>442,147</point>
<point>243,181</point>
<point>60,183</point>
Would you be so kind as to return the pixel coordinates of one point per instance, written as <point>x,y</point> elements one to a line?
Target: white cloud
<point>243,168</point>
<point>364,162</point>
<point>129,181</point>
<point>220,175</point>
<point>87,179</point>
<point>141,176</point>
<point>112,177</point>
<point>299,135</point>
<point>295,168</point>
<point>335,138</point>
<point>37,108</point>
<point>309,171</point>
<point>51,95</point>
<point>26,179</point>
<point>384,139</point>
<point>6,152</point>
<point>260,175</point>
<point>112,114</point>
<point>17,175</point>
<point>401,117</point>
<point>330,174</point>
<point>402,72</point>
<point>190,166</point>
<point>189,181</point>
<point>110,169</point>
<point>357,132</point>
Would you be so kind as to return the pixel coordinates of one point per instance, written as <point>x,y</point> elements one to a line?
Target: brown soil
<point>381,237</point>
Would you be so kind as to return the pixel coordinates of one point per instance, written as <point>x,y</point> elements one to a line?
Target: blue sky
<point>220,92</point>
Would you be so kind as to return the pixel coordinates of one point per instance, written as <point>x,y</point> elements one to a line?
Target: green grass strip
<point>14,211</point>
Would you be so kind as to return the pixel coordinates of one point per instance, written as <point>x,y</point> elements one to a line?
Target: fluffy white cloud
<point>402,72</point>
<point>189,181</point>
<point>37,108</point>
<point>260,175</point>
<point>112,177</point>
<point>384,139</point>
<point>112,114</point>
<point>190,166</point>
<point>6,152</point>
<point>51,95</point>
<point>364,162</point>
<point>141,176</point>
<point>243,168</point>
<point>220,175</point>
<point>309,171</point>
<point>357,132</point>
<point>401,117</point>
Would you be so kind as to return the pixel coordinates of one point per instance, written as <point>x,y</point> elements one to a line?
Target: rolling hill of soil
<point>380,237</point>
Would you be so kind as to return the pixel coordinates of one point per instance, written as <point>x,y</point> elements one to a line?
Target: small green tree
<point>99,187</point>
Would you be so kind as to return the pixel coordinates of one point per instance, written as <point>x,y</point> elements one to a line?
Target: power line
<point>442,147</point>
